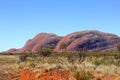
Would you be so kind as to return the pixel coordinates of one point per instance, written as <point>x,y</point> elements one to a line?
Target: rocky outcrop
<point>12,50</point>
<point>90,39</point>
<point>42,39</point>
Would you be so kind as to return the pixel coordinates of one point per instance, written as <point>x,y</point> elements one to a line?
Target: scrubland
<point>95,65</point>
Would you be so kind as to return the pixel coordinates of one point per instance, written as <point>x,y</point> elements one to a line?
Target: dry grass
<point>10,62</point>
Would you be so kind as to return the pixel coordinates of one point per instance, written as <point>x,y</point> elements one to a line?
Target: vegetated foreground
<point>84,55</point>
<point>60,66</point>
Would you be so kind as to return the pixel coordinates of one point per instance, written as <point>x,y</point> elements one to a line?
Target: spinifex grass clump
<point>108,60</point>
<point>83,75</point>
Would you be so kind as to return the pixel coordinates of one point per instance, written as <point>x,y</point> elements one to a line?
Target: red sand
<point>54,74</point>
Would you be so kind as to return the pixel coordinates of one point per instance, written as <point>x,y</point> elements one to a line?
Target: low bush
<point>83,75</point>
<point>104,61</point>
<point>23,57</point>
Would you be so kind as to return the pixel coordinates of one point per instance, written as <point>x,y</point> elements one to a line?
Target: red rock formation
<point>90,39</point>
<point>42,39</point>
<point>12,50</point>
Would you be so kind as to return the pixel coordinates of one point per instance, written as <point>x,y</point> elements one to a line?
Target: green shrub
<point>45,51</point>
<point>97,63</point>
<point>104,61</point>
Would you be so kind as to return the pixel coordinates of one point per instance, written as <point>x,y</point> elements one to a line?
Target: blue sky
<point>21,20</point>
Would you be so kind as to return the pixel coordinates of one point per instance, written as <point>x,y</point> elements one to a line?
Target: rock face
<point>12,50</point>
<point>90,39</point>
<point>42,39</point>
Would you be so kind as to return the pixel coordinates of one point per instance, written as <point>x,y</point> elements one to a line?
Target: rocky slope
<point>90,39</point>
<point>42,39</point>
<point>12,50</point>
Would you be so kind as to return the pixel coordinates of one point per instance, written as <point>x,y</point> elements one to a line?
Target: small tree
<point>45,51</point>
<point>63,47</point>
<point>30,53</point>
<point>23,57</point>
<point>118,47</point>
<point>80,54</point>
<point>82,51</point>
<point>118,57</point>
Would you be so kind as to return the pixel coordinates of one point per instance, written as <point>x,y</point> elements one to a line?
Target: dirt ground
<point>10,69</point>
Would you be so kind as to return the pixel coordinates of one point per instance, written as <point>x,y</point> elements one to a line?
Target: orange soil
<point>44,75</point>
<point>54,74</point>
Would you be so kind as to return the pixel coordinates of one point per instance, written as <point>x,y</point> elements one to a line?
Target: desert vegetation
<point>46,64</point>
